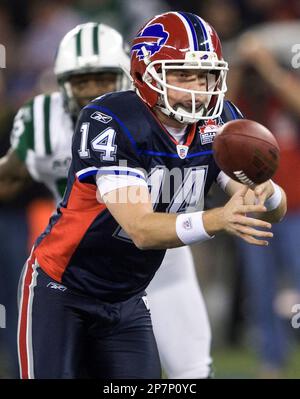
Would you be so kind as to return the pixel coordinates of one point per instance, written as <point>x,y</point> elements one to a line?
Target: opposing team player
<point>83,288</point>
<point>87,65</point>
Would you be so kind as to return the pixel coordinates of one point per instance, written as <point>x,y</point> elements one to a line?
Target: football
<point>246,151</point>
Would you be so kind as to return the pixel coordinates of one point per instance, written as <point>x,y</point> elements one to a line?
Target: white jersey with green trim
<point>41,136</point>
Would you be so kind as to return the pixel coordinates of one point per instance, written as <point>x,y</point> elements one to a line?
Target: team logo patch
<point>182,150</point>
<point>100,117</point>
<point>153,37</point>
<point>208,131</point>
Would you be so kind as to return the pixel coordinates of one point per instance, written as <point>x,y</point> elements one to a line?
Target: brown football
<point>246,151</point>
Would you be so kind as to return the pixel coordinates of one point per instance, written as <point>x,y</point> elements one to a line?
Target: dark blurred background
<point>249,293</point>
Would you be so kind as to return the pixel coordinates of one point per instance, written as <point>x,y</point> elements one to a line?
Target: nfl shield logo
<point>182,151</point>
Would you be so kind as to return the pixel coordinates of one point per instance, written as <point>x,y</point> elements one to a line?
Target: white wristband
<point>275,199</point>
<point>190,229</point>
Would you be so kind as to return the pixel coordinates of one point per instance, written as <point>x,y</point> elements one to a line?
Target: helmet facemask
<point>71,101</point>
<point>155,77</point>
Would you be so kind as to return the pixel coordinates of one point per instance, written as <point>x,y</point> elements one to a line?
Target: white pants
<point>179,317</point>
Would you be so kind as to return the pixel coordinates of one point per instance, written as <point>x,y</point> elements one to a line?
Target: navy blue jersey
<point>84,247</point>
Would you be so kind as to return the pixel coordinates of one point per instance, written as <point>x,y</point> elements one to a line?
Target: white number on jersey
<point>18,128</point>
<point>84,152</point>
<point>190,193</point>
<point>189,196</point>
<point>104,143</point>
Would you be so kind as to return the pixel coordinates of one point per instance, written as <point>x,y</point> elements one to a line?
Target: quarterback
<point>88,65</point>
<point>83,287</point>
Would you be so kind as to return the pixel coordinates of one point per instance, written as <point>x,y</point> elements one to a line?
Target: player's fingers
<point>250,208</point>
<point>252,222</point>
<point>253,240</point>
<point>263,191</point>
<point>241,192</point>
<point>261,200</point>
<point>254,232</point>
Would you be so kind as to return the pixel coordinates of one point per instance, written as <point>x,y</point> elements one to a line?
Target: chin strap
<point>183,118</point>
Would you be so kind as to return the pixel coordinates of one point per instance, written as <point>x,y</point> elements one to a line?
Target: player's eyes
<point>80,84</point>
<point>183,76</point>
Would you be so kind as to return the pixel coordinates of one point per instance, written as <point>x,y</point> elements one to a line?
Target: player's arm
<point>284,84</point>
<point>14,173</point>
<point>14,176</point>
<point>106,150</point>
<point>153,230</point>
<point>269,194</point>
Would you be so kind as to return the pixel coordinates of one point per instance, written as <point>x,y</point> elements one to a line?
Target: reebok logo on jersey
<point>187,224</point>
<point>56,286</point>
<point>100,117</point>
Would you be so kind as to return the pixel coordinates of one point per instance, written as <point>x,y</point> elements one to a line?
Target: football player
<point>83,287</point>
<point>88,65</point>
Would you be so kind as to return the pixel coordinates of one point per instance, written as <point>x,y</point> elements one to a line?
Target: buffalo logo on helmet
<point>153,37</point>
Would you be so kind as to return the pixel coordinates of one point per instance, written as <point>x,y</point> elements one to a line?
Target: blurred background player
<point>272,277</point>
<point>88,64</point>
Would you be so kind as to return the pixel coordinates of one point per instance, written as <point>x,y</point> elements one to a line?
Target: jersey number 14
<point>103,143</point>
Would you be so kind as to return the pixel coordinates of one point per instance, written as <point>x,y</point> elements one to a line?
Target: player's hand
<point>236,221</point>
<point>250,48</point>
<point>251,51</point>
<point>263,191</point>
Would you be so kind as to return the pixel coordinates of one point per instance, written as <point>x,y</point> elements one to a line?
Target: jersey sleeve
<point>231,112</point>
<point>30,135</point>
<point>22,135</point>
<point>222,180</point>
<point>103,145</point>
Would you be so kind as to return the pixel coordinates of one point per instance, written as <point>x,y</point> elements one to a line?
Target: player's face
<point>187,79</point>
<point>86,87</point>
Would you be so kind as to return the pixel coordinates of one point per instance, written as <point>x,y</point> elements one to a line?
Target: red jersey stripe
<point>65,236</point>
<point>23,320</point>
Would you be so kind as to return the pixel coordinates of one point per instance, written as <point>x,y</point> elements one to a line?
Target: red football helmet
<point>178,40</point>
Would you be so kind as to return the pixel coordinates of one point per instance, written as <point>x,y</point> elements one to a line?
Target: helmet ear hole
<point>138,77</point>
